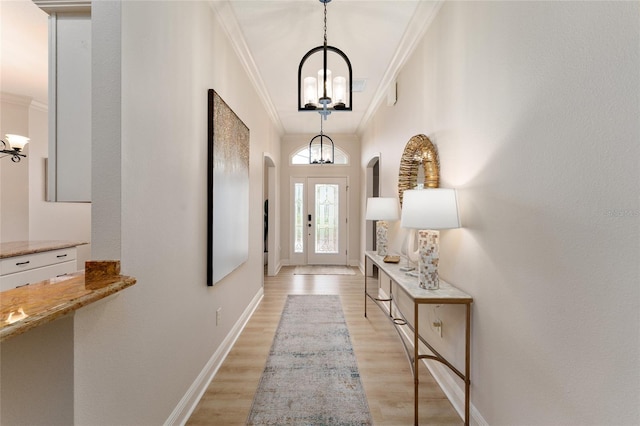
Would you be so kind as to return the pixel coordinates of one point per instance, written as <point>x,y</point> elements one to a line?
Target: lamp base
<point>429,258</point>
<point>382,243</point>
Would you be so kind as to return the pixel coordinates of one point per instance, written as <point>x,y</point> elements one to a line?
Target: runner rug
<point>311,376</point>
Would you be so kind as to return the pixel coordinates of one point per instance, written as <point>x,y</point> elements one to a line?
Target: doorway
<point>372,190</point>
<point>320,227</point>
<point>270,224</point>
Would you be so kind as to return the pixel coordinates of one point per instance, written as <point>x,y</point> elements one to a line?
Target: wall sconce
<point>324,92</point>
<point>14,146</point>
<point>429,210</point>
<point>382,209</point>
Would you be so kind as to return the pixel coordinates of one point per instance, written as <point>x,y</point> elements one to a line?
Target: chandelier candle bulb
<point>340,92</point>
<point>324,86</point>
<point>310,92</point>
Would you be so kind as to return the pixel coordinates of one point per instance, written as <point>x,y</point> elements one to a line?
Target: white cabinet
<point>31,268</point>
<point>69,164</point>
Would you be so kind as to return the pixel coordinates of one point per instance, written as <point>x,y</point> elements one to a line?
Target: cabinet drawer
<point>7,282</point>
<point>15,264</point>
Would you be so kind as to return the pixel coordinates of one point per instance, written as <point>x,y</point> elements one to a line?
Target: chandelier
<point>319,90</point>
<point>321,151</point>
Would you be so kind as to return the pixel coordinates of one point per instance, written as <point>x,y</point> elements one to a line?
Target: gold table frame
<point>446,294</point>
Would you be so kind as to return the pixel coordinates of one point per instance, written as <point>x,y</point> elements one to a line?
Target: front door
<point>320,225</point>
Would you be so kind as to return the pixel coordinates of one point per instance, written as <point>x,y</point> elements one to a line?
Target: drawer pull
<point>23,285</point>
<point>22,263</point>
<point>61,275</point>
<point>60,256</point>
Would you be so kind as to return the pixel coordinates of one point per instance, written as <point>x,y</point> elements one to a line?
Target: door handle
<point>309,216</point>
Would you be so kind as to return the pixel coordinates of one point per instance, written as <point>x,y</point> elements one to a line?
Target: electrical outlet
<point>437,326</point>
<point>218,316</point>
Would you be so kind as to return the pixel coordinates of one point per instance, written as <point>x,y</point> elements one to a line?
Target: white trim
<point>64,6</point>
<point>230,25</point>
<point>52,162</point>
<point>39,106</point>
<point>420,22</point>
<point>19,100</point>
<point>190,400</point>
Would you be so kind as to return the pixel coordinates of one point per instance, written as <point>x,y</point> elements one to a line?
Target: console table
<point>446,294</point>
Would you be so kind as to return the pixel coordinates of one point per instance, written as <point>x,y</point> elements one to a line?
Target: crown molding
<point>39,106</point>
<point>417,28</point>
<point>14,99</point>
<point>64,6</point>
<point>231,27</point>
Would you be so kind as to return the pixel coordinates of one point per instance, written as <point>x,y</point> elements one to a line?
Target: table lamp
<point>382,209</point>
<point>429,210</point>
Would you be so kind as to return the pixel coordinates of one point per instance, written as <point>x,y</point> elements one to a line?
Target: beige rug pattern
<point>323,270</point>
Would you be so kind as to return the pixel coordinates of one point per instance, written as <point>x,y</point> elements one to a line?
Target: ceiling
<point>270,37</point>
<point>23,49</point>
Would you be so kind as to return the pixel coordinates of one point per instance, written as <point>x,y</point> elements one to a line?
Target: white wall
<point>138,354</point>
<point>351,145</point>
<point>14,177</point>
<point>534,109</point>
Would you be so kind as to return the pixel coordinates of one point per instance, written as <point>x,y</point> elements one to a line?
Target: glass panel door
<point>327,221</point>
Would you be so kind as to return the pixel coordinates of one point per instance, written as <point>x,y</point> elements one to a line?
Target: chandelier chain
<point>325,24</point>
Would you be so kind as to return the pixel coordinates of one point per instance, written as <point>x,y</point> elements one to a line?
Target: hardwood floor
<point>384,368</point>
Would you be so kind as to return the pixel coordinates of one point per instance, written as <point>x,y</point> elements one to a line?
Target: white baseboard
<point>454,393</point>
<point>190,400</point>
<point>444,377</point>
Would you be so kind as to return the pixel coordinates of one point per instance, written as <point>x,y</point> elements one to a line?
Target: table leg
<point>365,286</point>
<point>467,372</point>
<point>416,360</point>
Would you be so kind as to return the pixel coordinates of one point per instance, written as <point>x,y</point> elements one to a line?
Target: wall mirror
<point>419,165</point>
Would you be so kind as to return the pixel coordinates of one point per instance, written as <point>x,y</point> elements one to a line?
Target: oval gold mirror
<point>419,165</point>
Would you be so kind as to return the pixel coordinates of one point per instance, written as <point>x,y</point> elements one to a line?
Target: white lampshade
<point>433,208</point>
<point>17,142</point>
<point>382,208</point>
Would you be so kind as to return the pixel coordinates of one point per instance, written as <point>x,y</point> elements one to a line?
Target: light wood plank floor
<point>384,368</point>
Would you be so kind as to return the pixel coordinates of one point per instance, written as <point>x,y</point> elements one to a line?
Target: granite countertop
<point>20,248</point>
<point>24,308</point>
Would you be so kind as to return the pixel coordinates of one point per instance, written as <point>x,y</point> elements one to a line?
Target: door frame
<point>302,258</point>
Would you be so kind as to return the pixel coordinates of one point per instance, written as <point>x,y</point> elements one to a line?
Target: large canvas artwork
<point>228,186</point>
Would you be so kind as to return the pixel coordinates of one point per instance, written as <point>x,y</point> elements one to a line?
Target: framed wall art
<point>228,190</point>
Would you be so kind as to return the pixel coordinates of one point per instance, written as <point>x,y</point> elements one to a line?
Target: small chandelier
<point>321,151</point>
<point>324,93</point>
<point>13,147</point>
